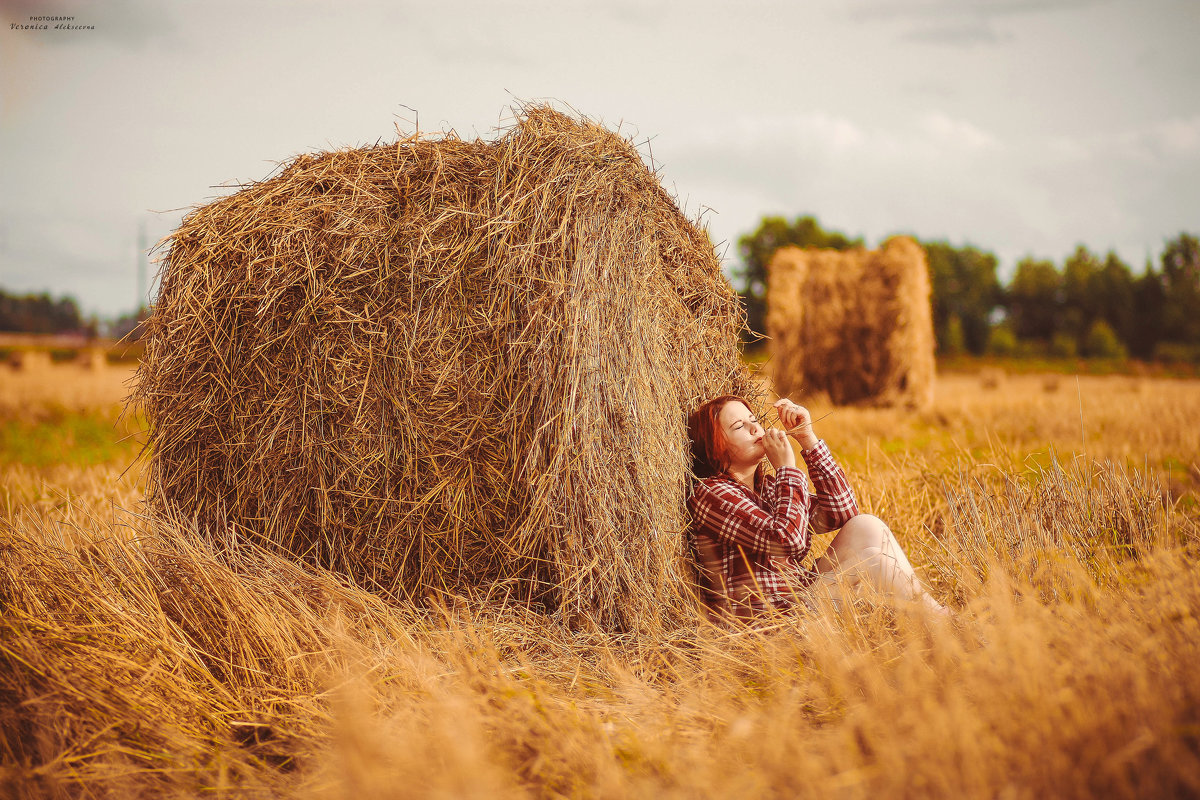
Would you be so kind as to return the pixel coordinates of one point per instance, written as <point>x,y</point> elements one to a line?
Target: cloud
<point>1166,140</point>
<point>924,10</point>
<point>819,134</point>
<point>947,132</point>
<point>1177,137</point>
<point>925,173</point>
<point>962,34</point>
<point>816,131</point>
<point>637,13</point>
<point>958,23</point>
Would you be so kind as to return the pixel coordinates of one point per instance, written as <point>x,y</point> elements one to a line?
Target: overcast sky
<point>1022,127</point>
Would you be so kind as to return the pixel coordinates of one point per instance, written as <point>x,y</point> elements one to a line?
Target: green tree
<point>1035,299</point>
<point>1001,340</point>
<point>757,248</point>
<point>1181,289</point>
<point>1080,300</point>
<point>950,339</point>
<point>1063,345</point>
<point>1149,298</point>
<point>38,313</point>
<point>1101,342</point>
<point>1115,296</point>
<point>965,289</point>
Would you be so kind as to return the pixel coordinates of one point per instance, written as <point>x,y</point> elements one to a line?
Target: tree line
<point>40,313</point>
<point>1091,306</point>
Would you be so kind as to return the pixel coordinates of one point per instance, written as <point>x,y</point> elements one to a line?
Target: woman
<point>750,530</point>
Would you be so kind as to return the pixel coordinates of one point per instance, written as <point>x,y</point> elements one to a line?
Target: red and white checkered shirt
<point>750,543</point>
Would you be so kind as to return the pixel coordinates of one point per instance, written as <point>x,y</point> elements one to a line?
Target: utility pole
<point>141,269</point>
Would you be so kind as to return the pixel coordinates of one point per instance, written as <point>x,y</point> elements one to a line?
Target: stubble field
<point>1059,515</point>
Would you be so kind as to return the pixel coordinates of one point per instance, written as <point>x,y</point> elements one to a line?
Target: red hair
<point>710,448</point>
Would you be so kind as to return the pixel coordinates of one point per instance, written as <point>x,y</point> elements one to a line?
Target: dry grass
<point>1142,422</point>
<point>137,659</point>
<point>38,391</point>
<point>66,443</point>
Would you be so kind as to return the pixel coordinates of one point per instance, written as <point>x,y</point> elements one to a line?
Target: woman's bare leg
<point>866,549</point>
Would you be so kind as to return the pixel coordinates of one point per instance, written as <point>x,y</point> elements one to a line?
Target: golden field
<point>1059,515</point>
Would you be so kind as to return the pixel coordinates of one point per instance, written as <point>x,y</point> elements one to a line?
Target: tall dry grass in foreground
<point>136,660</point>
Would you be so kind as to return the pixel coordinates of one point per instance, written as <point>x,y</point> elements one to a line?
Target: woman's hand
<point>779,449</point>
<point>797,421</point>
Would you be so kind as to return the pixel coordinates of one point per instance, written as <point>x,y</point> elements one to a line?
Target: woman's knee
<point>862,565</point>
<point>863,531</point>
<point>866,520</point>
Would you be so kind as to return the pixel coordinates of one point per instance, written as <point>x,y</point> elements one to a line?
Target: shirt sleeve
<point>732,518</point>
<point>833,504</point>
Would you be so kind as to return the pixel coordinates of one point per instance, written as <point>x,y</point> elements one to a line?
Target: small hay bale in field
<point>443,366</point>
<point>29,360</point>
<point>855,324</point>
<point>992,377</point>
<point>92,358</point>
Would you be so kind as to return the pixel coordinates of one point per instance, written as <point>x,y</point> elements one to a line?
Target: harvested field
<point>138,660</point>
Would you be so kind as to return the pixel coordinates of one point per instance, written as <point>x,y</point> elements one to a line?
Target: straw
<point>445,367</point>
<point>854,324</point>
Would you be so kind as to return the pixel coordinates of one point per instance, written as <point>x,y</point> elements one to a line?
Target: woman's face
<point>743,433</point>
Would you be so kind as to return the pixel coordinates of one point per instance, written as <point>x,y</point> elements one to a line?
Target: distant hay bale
<point>29,360</point>
<point>443,366</point>
<point>992,377</point>
<point>854,324</point>
<point>92,358</point>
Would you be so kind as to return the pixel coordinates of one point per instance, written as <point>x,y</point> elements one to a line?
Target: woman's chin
<point>749,464</point>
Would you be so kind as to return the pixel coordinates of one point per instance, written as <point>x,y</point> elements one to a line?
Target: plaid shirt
<point>749,544</point>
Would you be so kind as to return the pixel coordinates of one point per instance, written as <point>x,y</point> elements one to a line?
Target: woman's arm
<point>725,513</point>
<point>834,502</point>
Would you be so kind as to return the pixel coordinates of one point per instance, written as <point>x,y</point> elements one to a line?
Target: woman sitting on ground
<point>751,530</point>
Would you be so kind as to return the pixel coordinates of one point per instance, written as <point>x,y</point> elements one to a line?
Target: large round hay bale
<point>444,366</point>
<point>854,324</point>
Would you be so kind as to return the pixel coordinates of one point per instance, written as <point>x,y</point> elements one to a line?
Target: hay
<point>92,358</point>
<point>992,377</point>
<point>444,367</point>
<point>29,360</point>
<point>856,324</point>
